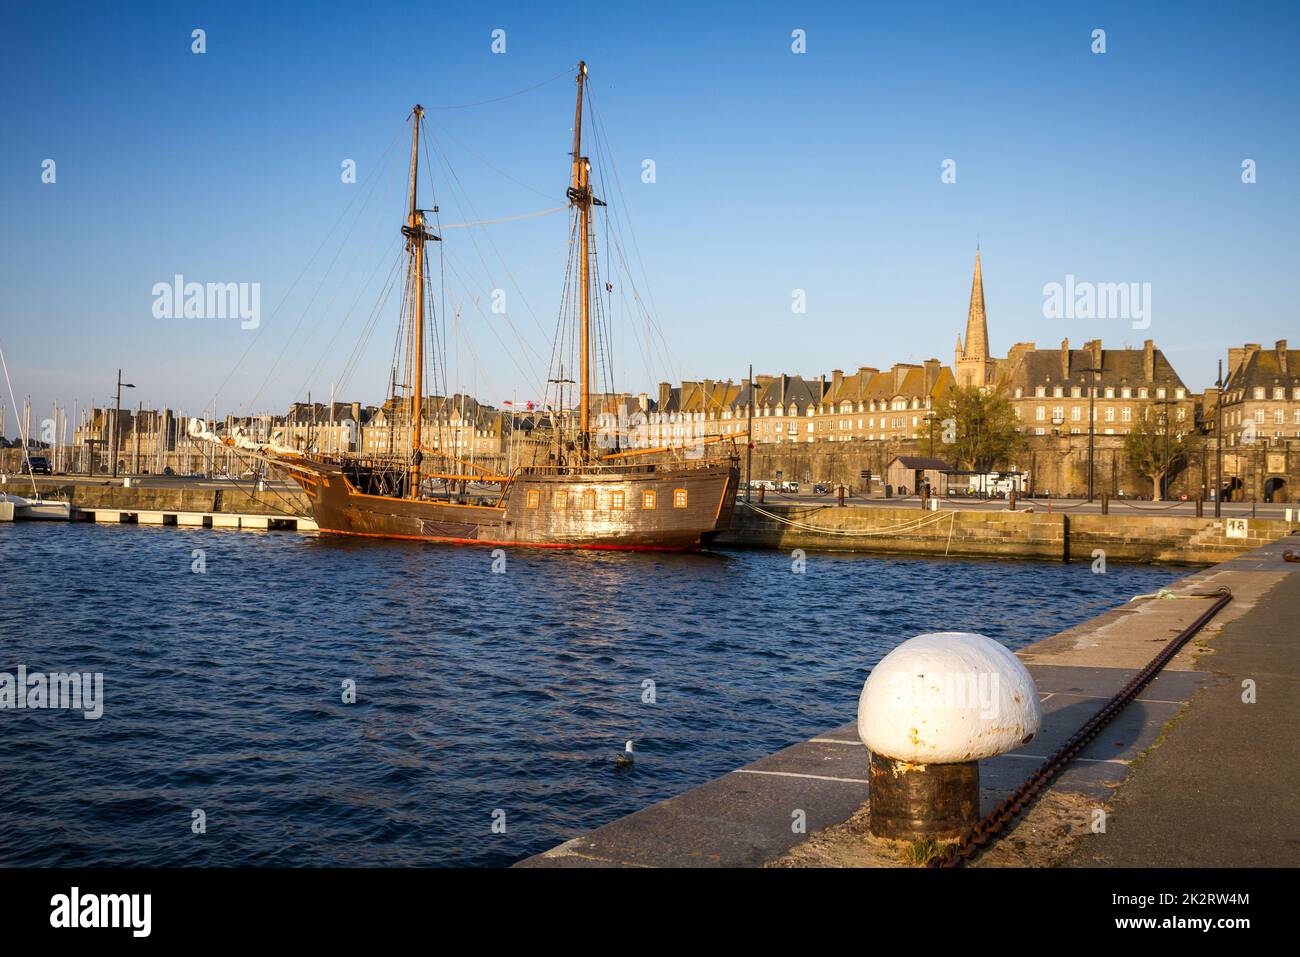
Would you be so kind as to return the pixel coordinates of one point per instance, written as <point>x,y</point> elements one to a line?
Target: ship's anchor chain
<point>989,828</point>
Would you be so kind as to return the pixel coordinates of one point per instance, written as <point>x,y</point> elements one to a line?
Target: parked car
<point>820,489</point>
<point>790,487</point>
<point>37,465</point>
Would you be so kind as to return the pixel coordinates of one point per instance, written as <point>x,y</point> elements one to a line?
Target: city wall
<point>1058,465</point>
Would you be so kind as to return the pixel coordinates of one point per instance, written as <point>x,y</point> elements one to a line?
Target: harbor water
<point>489,704</point>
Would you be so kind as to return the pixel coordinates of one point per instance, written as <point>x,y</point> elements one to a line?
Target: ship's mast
<point>580,196</point>
<point>416,236</point>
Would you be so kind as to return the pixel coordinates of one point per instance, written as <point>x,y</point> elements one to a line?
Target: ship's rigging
<point>572,397</point>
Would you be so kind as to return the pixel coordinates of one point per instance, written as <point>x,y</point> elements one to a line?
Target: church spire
<point>977,329</point>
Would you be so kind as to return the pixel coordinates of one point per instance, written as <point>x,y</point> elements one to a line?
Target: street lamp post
<point>1218,446</point>
<point>1093,372</point>
<point>117,415</point>
<point>1164,461</point>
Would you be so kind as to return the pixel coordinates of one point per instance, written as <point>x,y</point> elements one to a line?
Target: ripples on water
<point>476,691</point>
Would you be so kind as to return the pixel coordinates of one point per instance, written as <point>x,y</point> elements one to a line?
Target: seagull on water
<point>625,760</point>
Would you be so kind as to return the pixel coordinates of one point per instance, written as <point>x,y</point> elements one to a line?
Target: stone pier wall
<point>1131,537</point>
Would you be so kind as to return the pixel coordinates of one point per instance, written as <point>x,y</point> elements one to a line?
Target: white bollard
<point>930,710</point>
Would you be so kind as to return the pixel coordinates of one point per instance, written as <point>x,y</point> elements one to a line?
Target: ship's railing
<point>602,467</point>
<point>381,464</point>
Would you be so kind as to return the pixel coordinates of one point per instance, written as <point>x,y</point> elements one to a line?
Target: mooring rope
<point>1149,508</point>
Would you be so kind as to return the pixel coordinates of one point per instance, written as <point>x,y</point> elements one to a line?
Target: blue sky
<point>775,171</point>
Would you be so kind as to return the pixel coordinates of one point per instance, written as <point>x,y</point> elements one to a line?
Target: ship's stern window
<point>679,498</point>
<point>534,498</point>
<point>647,499</point>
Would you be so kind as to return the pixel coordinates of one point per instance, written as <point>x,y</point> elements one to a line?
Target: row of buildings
<point>1051,391</point>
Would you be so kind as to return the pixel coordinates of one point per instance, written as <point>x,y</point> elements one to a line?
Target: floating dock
<point>246,521</point>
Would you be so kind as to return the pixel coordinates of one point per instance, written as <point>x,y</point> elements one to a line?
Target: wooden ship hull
<point>642,508</point>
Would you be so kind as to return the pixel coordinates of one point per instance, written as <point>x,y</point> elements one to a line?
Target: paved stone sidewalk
<point>1223,788</point>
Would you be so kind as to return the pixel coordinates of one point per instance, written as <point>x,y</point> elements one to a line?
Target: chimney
<point>665,393</point>
<point>1280,346</point>
<point>1235,357</point>
<point>1065,359</point>
<point>1017,353</point>
<point>1095,348</point>
<point>932,369</point>
<point>1149,361</point>
<point>837,379</point>
<point>356,411</point>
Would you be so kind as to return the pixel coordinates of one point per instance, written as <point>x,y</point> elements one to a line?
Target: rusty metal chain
<point>986,830</point>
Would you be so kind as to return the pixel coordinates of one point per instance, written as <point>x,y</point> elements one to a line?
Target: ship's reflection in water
<point>481,697</point>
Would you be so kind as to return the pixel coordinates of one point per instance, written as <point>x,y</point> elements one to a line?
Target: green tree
<point>978,428</point>
<point>1155,450</point>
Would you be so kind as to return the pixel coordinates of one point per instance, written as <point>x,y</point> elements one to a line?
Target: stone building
<point>1050,389</point>
<point>458,425</point>
<point>875,406</point>
<point>145,439</point>
<point>785,408</point>
<point>688,412</point>
<point>1261,423</point>
<point>322,427</point>
<point>1261,398</point>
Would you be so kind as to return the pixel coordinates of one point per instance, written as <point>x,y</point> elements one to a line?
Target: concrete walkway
<point>1220,789</point>
<point>1223,788</point>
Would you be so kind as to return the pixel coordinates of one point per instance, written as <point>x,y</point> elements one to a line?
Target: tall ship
<point>580,495</point>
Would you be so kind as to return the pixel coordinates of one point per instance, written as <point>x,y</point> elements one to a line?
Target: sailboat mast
<point>580,196</point>
<point>415,237</point>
